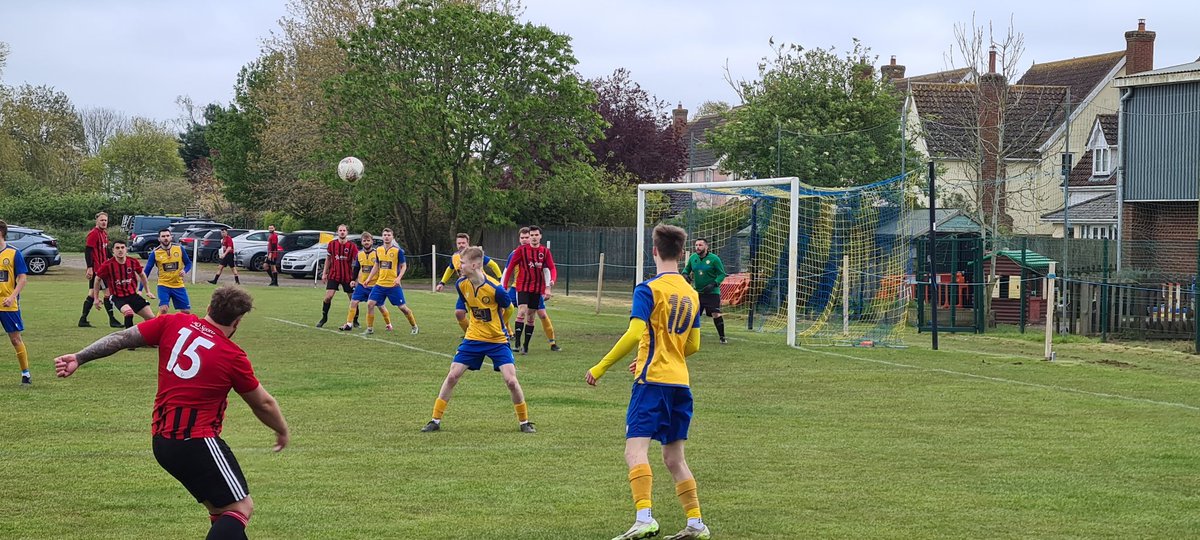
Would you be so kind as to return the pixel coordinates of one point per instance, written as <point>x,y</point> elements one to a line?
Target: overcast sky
<point>136,56</point>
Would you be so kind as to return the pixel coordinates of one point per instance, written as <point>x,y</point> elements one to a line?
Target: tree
<point>99,125</point>
<point>134,161</point>
<point>640,138</point>
<point>444,102</point>
<point>814,114</point>
<point>709,108</point>
<point>44,136</point>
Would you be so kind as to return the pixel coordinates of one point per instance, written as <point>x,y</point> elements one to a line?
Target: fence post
<point>1024,287</point>
<point>1104,298</point>
<point>600,283</point>
<point>433,268</point>
<point>1050,277</point>
<point>570,244</point>
<point>845,295</point>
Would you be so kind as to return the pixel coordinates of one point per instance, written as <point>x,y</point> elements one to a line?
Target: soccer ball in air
<point>350,169</point>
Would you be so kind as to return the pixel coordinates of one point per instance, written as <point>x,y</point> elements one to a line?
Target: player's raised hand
<point>65,365</point>
<point>281,441</point>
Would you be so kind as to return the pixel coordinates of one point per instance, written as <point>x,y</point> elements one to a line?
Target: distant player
<point>705,272</point>
<point>489,307</point>
<point>665,326</point>
<point>537,276</point>
<point>454,270</point>
<point>124,275</point>
<point>274,254</point>
<point>172,263</point>
<point>389,270</point>
<point>226,258</point>
<point>13,273</point>
<point>198,365</point>
<point>338,271</point>
<point>95,252</point>
<point>365,263</point>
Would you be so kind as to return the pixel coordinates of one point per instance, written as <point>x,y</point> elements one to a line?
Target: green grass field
<point>979,440</point>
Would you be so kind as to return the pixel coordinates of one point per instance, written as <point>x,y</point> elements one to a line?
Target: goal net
<point>824,266</point>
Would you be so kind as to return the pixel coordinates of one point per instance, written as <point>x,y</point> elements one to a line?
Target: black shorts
<point>134,301</point>
<point>227,260</point>
<point>206,467</point>
<point>710,304</point>
<point>332,285</point>
<point>533,300</point>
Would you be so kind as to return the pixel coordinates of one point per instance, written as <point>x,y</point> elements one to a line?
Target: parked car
<point>306,261</point>
<point>39,249</point>
<point>143,231</point>
<point>210,243</point>
<point>255,257</point>
<point>250,249</point>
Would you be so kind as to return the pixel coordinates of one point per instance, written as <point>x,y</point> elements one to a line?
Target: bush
<point>281,220</point>
<point>65,210</point>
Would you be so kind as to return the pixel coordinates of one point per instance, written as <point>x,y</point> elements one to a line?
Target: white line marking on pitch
<point>368,338</point>
<point>1011,381</point>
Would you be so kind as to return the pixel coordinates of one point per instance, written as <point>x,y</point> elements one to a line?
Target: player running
<point>124,275</point>
<point>537,276</point>
<point>665,327</point>
<point>461,241</point>
<point>365,262</point>
<point>705,272</point>
<point>338,271</point>
<point>172,263</point>
<point>274,254</point>
<point>489,307</point>
<point>95,252</point>
<point>197,366</point>
<point>389,270</point>
<point>13,273</point>
<point>226,258</point>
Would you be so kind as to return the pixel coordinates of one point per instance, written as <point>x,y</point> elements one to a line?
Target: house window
<point>708,175</point>
<point>1099,232</point>
<point>1100,162</point>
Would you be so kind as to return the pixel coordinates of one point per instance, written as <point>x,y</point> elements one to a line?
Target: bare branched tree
<point>99,125</point>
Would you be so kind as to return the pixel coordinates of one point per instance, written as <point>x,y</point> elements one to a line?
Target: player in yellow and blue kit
<point>364,263</point>
<point>665,326</point>
<point>12,281</point>
<point>489,306</point>
<point>461,241</point>
<point>390,265</point>
<point>172,263</point>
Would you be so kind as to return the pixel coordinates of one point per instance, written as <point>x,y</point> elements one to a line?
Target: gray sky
<point>136,56</point>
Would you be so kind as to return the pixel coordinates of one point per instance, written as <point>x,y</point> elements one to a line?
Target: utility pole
<point>1066,176</point>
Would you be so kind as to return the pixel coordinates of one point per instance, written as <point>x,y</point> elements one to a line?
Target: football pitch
<point>979,440</point>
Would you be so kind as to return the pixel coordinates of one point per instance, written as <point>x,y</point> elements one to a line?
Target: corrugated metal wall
<point>1162,138</point>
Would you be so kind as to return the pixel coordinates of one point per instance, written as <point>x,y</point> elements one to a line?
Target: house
<point>1159,169</point>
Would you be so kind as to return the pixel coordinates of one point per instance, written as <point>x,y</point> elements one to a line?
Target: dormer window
<point>1101,162</point>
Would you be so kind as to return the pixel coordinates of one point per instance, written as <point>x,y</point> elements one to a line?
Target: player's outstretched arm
<point>494,268</point>
<point>128,338</point>
<point>266,409</point>
<point>637,327</point>
<point>693,342</point>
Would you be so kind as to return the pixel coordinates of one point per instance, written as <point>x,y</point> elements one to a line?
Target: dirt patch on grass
<point>1114,363</point>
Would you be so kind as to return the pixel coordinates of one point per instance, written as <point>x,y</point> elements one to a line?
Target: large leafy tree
<point>640,138</point>
<point>446,102</point>
<point>135,160</point>
<point>43,135</point>
<point>814,114</point>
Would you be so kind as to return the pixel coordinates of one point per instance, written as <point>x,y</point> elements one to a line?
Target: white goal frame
<point>793,184</point>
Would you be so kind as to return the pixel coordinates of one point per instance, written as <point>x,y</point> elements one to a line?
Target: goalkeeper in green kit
<point>705,272</point>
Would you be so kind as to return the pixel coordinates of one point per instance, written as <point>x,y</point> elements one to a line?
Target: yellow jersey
<point>455,268</point>
<point>172,263</point>
<point>671,309</point>
<point>487,306</point>
<point>389,259</point>
<point>12,265</point>
<point>366,263</point>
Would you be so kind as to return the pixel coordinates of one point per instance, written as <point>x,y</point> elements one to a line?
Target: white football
<point>350,169</point>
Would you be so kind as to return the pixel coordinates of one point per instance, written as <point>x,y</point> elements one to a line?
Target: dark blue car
<point>39,249</point>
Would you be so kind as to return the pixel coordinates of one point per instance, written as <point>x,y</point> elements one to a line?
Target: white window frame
<point>1101,161</point>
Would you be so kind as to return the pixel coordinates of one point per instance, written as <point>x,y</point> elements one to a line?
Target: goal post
<point>821,265</point>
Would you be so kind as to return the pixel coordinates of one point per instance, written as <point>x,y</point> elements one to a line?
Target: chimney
<point>679,119</point>
<point>1139,49</point>
<point>992,59</point>
<point>892,71</point>
<point>993,96</point>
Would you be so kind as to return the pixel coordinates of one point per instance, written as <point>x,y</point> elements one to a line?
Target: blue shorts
<point>470,353</point>
<point>380,294</point>
<point>12,322</point>
<point>178,297</point>
<point>512,297</point>
<point>361,293</point>
<point>660,412</point>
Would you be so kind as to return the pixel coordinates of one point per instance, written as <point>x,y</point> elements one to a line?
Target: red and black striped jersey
<point>121,278</point>
<point>197,367</point>
<point>341,260</point>
<point>96,247</point>
<point>531,261</point>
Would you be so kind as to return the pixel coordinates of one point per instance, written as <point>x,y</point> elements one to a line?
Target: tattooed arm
<point>66,364</point>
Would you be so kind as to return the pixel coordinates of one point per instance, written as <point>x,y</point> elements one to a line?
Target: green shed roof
<point>1033,260</point>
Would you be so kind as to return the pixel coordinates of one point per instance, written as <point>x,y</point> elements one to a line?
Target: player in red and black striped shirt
<point>123,275</point>
<point>95,252</point>
<point>274,254</point>
<point>226,258</point>
<point>338,271</point>
<point>198,365</point>
<point>537,275</point>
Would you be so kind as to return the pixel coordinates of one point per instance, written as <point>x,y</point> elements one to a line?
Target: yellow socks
<point>522,412</point>
<point>548,327</point>
<point>641,479</point>
<point>412,321</point>
<point>387,316</point>
<point>463,323</point>
<point>350,314</point>
<point>686,491</point>
<point>371,319</point>
<point>23,357</point>
<point>439,408</point>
